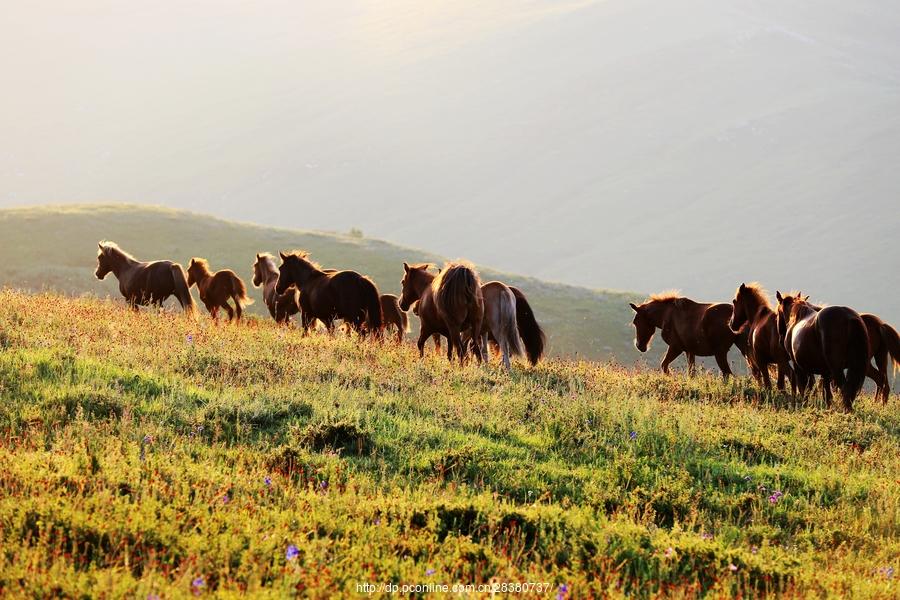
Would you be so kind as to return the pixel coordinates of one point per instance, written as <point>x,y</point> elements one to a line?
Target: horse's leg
<point>437,343</point>
<point>228,310</point>
<point>237,307</point>
<point>722,361</point>
<point>782,369</point>
<point>424,333</point>
<point>764,376</point>
<point>881,362</point>
<point>455,337</point>
<point>671,354</point>
<point>692,363</point>
<point>826,390</point>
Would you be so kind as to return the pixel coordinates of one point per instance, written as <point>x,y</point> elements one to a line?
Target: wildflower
<point>197,585</point>
<point>292,552</point>
<point>670,552</point>
<point>148,438</point>
<point>633,435</point>
<point>732,567</point>
<point>562,592</point>
<point>152,596</point>
<point>225,499</point>
<point>323,484</point>
<point>430,572</point>
<point>775,497</point>
<point>754,549</point>
<point>888,572</point>
<point>190,338</point>
<point>706,536</point>
<point>378,521</point>
<point>268,481</point>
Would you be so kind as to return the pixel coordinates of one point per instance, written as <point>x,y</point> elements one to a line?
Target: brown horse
<point>753,314</point>
<point>824,341</point>
<point>265,274</point>
<point>216,288</point>
<point>449,304</point>
<point>499,325</point>
<point>884,344</point>
<point>530,331</point>
<point>393,315</point>
<point>144,283</point>
<point>687,326</point>
<point>330,295</point>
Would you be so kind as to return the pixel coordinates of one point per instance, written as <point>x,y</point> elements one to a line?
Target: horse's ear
<point>633,307</point>
<point>778,296</point>
<point>257,256</point>
<point>743,287</point>
<point>282,255</point>
<point>406,267</point>
<point>806,299</point>
<point>100,245</point>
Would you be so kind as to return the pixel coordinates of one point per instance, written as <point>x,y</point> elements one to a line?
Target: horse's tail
<point>458,286</point>
<point>509,329</point>
<point>182,291</point>
<point>857,361</point>
<point>892,341</point>
<point>372,305</point>
<point>532,335</point>
<point>239,291</point>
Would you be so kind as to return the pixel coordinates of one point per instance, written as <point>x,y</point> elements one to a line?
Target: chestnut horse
<point>265,274</point>
<point>824,341</point>
<point>144,283</point>
<point>449,304</point>
<point>752,312</point>
<point>393,315</point>
<point>499,323</point>
<point>216,288</point>
<point>687,326</point>
<point>328,295</point>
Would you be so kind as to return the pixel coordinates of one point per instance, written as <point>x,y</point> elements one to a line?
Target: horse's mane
<point>665,296</point>
<point>303,256</point>
<point>202,263</point>
<point>456,281</point>
<point>756,290</point>
<point>107,247</point>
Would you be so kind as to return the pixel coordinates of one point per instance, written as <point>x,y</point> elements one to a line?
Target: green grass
<point>134,452</point>
<point>55,248</point>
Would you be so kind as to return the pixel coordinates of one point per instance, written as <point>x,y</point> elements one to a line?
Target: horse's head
<point>739,310</point>
<point>643,327</point>
<point>257,272</point>
<point>786,311</point>
<point>104,263</point>
<point>415,279</point>
<point>197,271</point>
<point>295,269</point>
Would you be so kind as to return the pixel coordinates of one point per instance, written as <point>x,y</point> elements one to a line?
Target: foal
<point>216,288</point>
<point>394,315</point>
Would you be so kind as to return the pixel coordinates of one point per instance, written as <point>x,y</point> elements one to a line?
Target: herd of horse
<point>796,338</point>
<point>450,302</point>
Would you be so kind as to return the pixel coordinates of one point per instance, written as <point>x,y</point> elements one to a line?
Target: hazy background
<point>630,144</point>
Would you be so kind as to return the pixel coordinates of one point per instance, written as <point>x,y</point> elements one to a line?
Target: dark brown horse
<point>216,288</point>
<point>449,304</point>
<point>144,283</point>
<point>330,295</point>
<point>824,341</point>
<point>752,314</point>
<point>265,274</point>
<point>532,334</point>
<point>394,315</point>
<point>884,347</point>
<point>687,326</point>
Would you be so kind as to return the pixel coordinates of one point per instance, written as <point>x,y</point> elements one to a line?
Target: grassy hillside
<point>146,455</point>
<point>55,248</point>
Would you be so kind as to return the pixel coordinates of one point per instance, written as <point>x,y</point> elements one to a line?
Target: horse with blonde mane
<point>144,283</point>
<point>265,274</point>
<point>752,313</point>
<point>216,288</point>
<point>449,303</point>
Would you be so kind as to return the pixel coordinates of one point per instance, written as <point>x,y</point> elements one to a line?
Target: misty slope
<point>56,248</point>
<point>637,144</point>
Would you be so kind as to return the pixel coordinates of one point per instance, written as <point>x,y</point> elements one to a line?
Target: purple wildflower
<point>148,438</point>
<point>562,592</point>
<point>754,549</point>
<point>775,497</point>
<point>152,596</point>
<point>706,536</point>
<point>633,435</point>
<point>190,338</point>
<point>670,552</point>
<point>888,572</point>
<point>732,567</point>
<point>292,552</point>
<point>430,572</point>
<point>323,484</point>
<point>197,585</point>
<point>268,481</point>
<point>225,499</point>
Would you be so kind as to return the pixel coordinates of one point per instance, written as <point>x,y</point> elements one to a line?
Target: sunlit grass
<point>144,453</point>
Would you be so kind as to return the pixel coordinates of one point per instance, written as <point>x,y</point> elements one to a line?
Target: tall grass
<point>145,454</point>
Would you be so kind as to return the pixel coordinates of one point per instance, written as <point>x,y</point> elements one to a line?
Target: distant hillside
<point>55,248</point>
